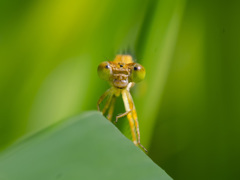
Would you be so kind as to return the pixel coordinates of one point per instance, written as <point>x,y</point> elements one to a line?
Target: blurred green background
<point>189,103</point>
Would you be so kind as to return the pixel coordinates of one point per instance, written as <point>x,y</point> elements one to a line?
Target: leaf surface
<point>83,147</point>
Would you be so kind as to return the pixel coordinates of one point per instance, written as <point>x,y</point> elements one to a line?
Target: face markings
<point>121,64</point>
<point>120,72</point>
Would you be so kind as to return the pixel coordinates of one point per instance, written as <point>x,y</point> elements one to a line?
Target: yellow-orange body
<point>122,73</point>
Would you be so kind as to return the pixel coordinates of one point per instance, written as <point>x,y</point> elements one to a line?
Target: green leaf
<point>83,147</point>
<point>156,48</point>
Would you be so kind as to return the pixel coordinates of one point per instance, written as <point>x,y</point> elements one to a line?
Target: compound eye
<point>104,70</point>
<point>138,73</point>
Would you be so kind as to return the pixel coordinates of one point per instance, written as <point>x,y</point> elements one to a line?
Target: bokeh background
<point>189,103</point>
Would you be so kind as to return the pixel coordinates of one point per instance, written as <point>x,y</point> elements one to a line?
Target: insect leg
<point>107,104</point>
<point>105,94</point>
<point>134,114</point>
<point>129,116</point>
<point>121,115</point>
<point>111,108</point>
